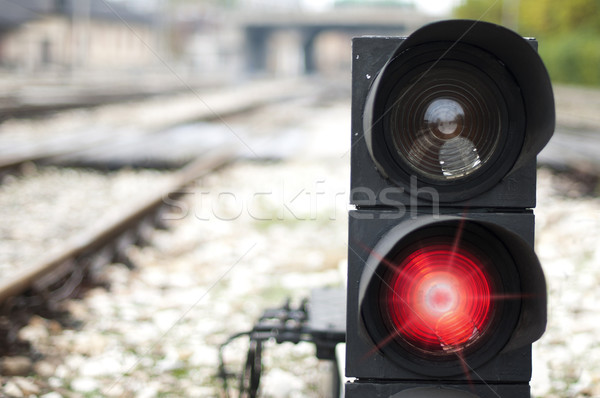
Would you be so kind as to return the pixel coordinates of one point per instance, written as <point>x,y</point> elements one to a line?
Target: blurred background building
<point>65,35</point>
<point>229,39</point>
<point>213,38</point>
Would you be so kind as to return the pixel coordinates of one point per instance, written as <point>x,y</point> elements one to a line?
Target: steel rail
<point>98,236</point>
<point>211,106</point>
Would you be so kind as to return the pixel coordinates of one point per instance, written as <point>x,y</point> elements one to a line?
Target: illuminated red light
<point>439,297</point>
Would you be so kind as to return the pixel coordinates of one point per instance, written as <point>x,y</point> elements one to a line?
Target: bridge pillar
<point>256,49</point>
<point>310,65</point>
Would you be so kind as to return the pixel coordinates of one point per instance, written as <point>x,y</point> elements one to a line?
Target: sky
<point>436,7</point>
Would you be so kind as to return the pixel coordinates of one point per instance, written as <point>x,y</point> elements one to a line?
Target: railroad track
<point>58,275</point>
<point>34,97</point>
<point>145,120</point>
<point>573,148</point>
<point>42,277</point>
<point>109,238</point>
<point>576,142</point>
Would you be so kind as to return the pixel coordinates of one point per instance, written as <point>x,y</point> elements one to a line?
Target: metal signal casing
<point>367,246</point>
<point>374,56</point>
<point>398,201</point>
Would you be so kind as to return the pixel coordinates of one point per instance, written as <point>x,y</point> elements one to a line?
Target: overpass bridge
<point>260,28</point>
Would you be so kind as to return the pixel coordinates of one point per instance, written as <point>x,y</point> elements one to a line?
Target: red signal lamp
<point>439,298</point>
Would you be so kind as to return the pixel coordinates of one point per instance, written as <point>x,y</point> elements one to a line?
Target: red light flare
<point>439,297</point>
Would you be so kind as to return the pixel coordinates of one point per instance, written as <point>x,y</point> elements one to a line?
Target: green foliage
<point>540,17</point>
<point>550,17</point>
<point>568,32</point>
<point>573,57</point>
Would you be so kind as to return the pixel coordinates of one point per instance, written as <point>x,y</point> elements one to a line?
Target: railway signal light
<point>445,292</point>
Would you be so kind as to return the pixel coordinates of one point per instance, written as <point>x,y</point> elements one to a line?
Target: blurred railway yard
<point>269,226</point>
<point>166,175</point>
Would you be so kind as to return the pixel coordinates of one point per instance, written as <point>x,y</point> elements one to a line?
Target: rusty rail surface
<point>199,106</point>
<point>100,236</point>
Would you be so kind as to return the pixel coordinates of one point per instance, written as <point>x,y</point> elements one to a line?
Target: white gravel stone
<point>27,386</point>
<point>11,389</point>
<point>282,384</point>
<point>41,210</point>
<point>52,394</point>
<point>567,357</point>
<point>84,384</point>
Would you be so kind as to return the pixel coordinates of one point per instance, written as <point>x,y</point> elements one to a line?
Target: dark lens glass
<point>445,124</point>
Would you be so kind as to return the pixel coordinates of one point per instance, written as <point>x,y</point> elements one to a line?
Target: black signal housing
<point>501,61</point>
<point>445,292</point>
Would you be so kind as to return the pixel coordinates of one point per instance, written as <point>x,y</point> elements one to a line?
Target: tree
<point>535,17</point>
<point>484,10</point>
<point>569,32</point>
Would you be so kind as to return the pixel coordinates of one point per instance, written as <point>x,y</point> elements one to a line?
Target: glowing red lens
<point>439,297</point>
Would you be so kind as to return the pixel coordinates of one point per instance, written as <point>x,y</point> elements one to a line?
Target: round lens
<point>439,297</point>
<point>445,124</point>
